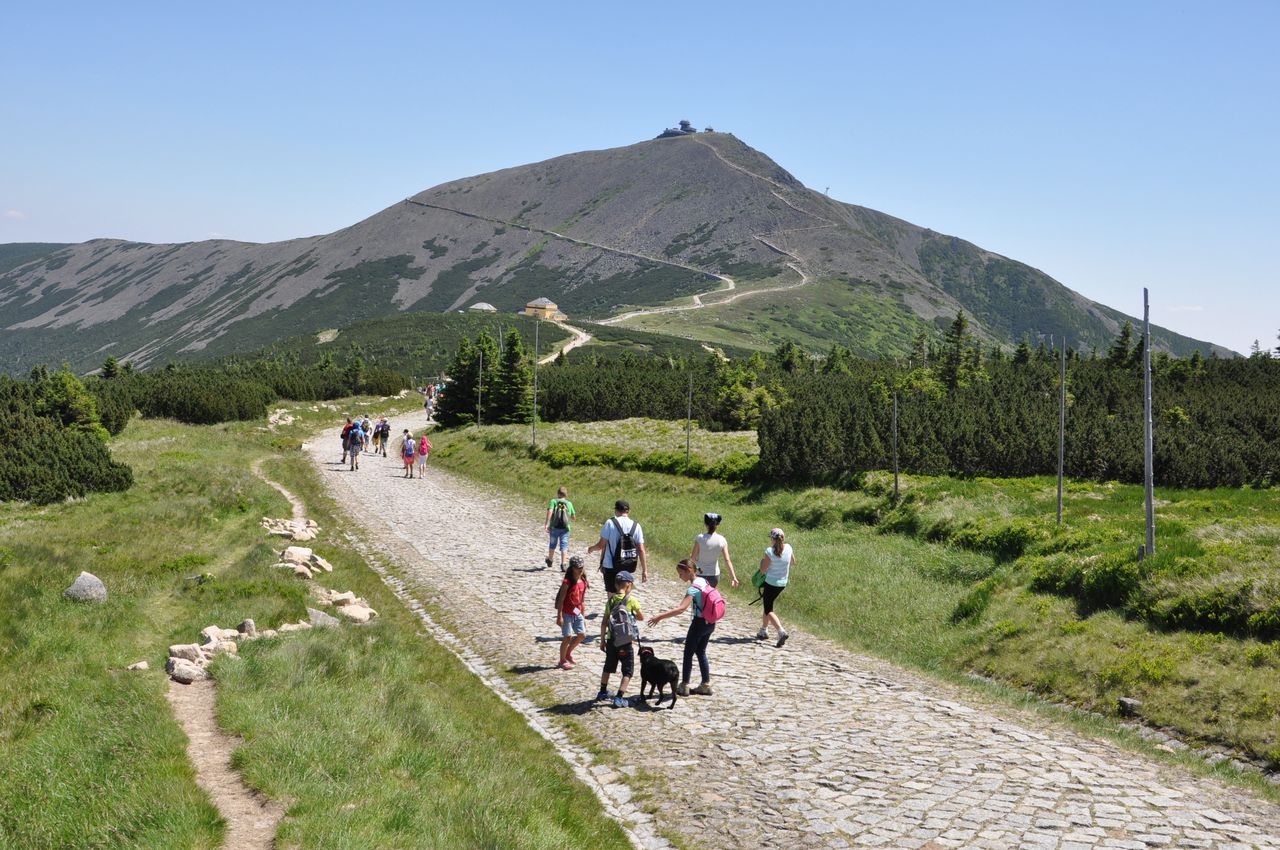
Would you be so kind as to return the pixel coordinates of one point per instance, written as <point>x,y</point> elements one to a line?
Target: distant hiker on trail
<point>569,608</point>
<point>424,449</point>
<point>621,545</point>
<point>355,444</point>
<point>708,608</point>
<point>366,427</point>
<point>618,635</point>
<point>559,512</point>
<point>772,578</point>
<point>407,449</point>
<point>382,435</point>
<point>346,439</point>
<point>430,406</point>
<point>708,549</point>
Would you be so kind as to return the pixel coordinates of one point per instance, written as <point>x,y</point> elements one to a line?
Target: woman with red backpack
<point>708,608</point>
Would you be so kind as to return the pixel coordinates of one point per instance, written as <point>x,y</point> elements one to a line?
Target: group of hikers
<point>362,436</point>
<point>622,552</point>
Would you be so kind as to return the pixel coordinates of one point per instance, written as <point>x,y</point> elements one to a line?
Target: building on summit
<point>544,308</point>
<point>484,307</point>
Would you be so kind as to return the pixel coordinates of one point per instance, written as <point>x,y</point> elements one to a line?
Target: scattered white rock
<point>317,561</point>
<point>184,671</point>
<point>322,620</point>
<point>301,571</point>
<point>86,588</point>
<point>293,627</point>
<point>358,612</point>
<point>296,555</point>
<point>267,633</point>
<point>139,665</point>
<point>248,628</point>
<point>226,647</point>
<point>187,652</point>
<point>210,635</point>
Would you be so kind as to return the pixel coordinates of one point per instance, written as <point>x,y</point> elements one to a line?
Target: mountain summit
<point>695,234</point>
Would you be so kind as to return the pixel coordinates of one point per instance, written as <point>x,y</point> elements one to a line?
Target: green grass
<point>944,580</point>
<point>649,434</point>
<point>372,737</point>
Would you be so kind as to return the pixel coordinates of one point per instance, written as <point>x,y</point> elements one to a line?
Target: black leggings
<point>714,580</point>
<point>770,593</point>
<point>695,643</point>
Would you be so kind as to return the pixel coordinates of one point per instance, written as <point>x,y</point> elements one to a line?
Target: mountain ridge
<point>663,222</point>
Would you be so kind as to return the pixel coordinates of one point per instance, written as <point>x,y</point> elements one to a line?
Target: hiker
<point>424,449</point>
<point>366,426</point>
<point>559,512</point>
<point>430,406</point>
<point>617,639</point>
<point>346,440</point>
<point>569,608</point>
<point>355,444</point>
<point>407,448</point>
<point>619,531</point>
<point>707,550</point>
<point>775,567</point>
<point>377,437</point>
<point>383,432</point>
<point>699,593</point>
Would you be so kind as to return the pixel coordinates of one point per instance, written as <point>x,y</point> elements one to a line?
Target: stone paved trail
<point>807,746</point>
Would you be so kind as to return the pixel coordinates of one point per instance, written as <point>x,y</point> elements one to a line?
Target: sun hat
<point>625,576</point>
<point>575,561</point>
<point>776,533</point>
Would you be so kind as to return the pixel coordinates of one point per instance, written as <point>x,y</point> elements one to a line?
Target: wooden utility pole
<point>895,448</point>
<point>688,424</point>
<point>537,326</point>
<point>1149,446</point>
<point>480,388</point>
<point>1062,422</point>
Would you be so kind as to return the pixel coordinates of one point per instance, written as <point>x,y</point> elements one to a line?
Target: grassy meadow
<point>370,736</point>
<point>953,578</point>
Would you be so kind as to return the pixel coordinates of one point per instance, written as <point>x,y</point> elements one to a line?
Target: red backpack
<point>712,604</point>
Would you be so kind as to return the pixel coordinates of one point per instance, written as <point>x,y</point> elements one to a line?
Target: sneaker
<point>703,690</point>
<point>682,689</point>
<point>621,702</point>
<point>782,638</point>
<point>547,561</point>
<point>763,634</point>
<point>602,695</point>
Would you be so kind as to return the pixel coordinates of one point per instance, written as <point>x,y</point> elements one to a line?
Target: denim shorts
<point>573,625</point>
<point>559,536</point>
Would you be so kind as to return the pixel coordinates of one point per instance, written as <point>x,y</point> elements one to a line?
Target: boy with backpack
<point>559,512</point>
<point>621,545</point>
<point>618,635</point>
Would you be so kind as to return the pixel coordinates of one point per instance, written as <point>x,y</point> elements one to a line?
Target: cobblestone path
<point>809,746</point>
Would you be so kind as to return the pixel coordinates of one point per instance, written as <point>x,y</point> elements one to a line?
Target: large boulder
<point>187,652</point>
<point>296,555</point>
<point>86,588</point>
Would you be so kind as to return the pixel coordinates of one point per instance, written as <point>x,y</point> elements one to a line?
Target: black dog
<point>656,674</point>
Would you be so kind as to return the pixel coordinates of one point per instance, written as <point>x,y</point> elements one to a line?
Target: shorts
<point>573,625</point>
<point>619,655</point>
<point>770,593</point>
<point>559,536</point>
<point>610,580</point>
<point>408,460</point>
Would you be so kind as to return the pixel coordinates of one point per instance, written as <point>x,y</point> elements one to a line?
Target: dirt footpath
<point>807,746</point>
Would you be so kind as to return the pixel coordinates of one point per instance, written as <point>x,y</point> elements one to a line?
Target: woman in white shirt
<point>776,566</point>
<point>708,549</point>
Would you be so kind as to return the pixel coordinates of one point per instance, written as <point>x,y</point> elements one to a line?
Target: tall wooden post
<point>1062,422</point>
<point>537,327</point>
<point>688,424</point>
<point>1149,445</point>
<point>895,448</point>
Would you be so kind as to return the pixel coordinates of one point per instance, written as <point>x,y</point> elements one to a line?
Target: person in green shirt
<point>559,512</point>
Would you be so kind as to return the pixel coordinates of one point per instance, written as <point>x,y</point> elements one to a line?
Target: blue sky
<point>1113,145</point>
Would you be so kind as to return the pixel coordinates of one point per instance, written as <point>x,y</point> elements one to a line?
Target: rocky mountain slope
<point>599,232</point>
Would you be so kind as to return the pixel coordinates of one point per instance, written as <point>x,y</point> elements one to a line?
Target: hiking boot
<point>703,690</point>
<point>603,694</point>
<point>682,689</point>
<point>763,634</point>
<point>782,638</point>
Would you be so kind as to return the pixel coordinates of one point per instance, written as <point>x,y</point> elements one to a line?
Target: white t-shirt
<point>710,547</point>
<point>779,571</point>
<point>610,535</point>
